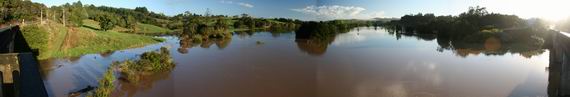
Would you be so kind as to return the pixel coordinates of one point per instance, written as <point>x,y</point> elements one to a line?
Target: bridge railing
<point>19,69</point>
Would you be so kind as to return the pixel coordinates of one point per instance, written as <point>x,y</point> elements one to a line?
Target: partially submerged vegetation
<point>187,42</point>
<point>324,29</point>
<point>204,28</point>
<point>106,85</point>
<point>314,37</point>
<point>148,64</point>
<point>131,71</point>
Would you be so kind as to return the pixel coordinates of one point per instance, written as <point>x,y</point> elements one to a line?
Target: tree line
<point>477,29</point>
<point>476,21</point>
<point>73,14</point>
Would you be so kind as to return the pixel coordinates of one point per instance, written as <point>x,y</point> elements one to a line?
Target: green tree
<point>107,22</point>
<point>130,22</point>
<point>78,14</point>
<point>19,10</point>
<point>141,9</point>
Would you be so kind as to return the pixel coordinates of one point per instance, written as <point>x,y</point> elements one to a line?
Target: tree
<point>16,10</point>
<point>77,14</point>
<point>141,9</point>
<point>130,22</point>
<point>107,22</point>
<point>246,21</point>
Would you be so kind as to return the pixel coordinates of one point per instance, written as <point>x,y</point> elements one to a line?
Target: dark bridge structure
<point>559,66</point>
<point>19,68</point>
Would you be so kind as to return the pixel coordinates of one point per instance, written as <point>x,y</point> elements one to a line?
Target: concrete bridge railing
<point>19,69</point>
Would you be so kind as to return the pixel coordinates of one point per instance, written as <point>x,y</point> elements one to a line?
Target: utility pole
<point>41,16</point>
<point>63,16</point>
<point>207,14</point>
<point>53,15</point>
<point>47,15</point>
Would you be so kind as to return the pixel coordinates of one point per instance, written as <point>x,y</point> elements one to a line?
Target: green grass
<point>36,37</point>
<point>54,40</point>
<point>238,29</point>
<point>105,41</point>
<point>151,29</point>
<point>140,27</point>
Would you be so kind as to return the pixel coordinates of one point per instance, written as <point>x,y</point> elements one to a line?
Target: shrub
<point>149,63</point>
<point>106,85</point>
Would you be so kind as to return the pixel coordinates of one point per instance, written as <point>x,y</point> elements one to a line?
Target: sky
<point>339,9</point>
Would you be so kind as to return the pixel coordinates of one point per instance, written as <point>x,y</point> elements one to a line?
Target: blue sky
<point>339,9</point>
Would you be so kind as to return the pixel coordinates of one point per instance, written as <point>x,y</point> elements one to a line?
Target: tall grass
<point>36,37</point>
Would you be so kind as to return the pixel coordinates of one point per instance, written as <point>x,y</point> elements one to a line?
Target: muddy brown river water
<point>364,62</point>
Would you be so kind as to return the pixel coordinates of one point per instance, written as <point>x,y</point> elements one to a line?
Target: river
<point>364,62</point>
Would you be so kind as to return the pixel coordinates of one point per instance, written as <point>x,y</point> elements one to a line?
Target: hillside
<point>56,40</point>
<point>141,28</point>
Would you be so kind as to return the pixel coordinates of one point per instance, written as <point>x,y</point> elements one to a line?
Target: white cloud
<point>247,5</point>
<point>227,2</point>
<point>338,12</point>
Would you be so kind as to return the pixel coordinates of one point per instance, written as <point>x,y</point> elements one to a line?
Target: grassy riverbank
<point>56,40</point>
<point>141,28</point>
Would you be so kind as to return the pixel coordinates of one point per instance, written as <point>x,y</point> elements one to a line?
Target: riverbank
<point>141,28</point>
<point>54,40</point>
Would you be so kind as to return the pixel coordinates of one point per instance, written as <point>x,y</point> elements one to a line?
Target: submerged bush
<point>149,63</point>
<point>106,85</point>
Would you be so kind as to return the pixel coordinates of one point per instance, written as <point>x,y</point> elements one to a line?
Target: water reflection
<point>106,54</point>
<point>363,62</point>
<point>314,47</point>
<point>317,44</point>
<point>186,42</point>
<point>66,76</point>
<point>145,82</point>
<point>500,44</point>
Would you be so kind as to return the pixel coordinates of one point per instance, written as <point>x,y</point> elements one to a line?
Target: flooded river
<point>364,62</point>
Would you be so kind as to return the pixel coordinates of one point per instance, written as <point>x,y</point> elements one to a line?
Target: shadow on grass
<point>91,27</point>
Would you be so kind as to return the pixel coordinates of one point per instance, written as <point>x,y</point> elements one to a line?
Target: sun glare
<point>552,10</point>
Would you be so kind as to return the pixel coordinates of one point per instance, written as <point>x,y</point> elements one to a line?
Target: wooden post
<point>63,17</point>
<point>41,16</point>
<point>53,15</point>
<point>47,15</point>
